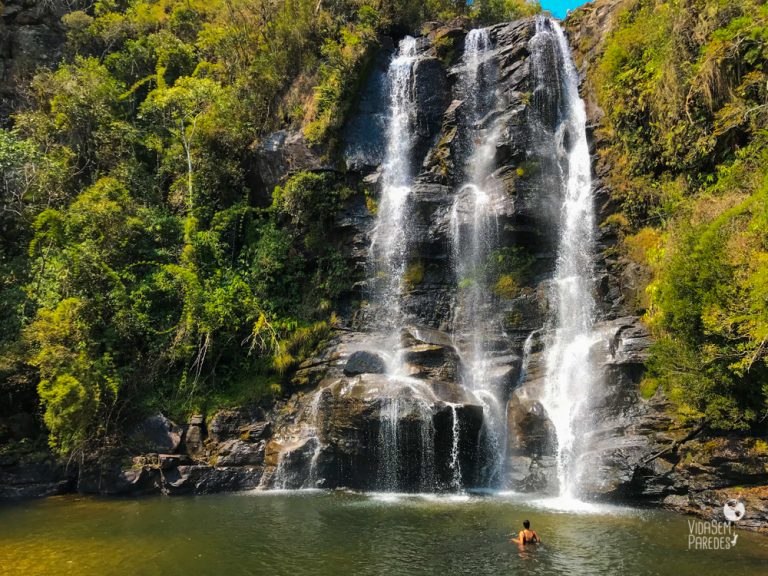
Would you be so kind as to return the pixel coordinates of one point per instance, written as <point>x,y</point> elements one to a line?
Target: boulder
<point>202,479</point>
<point>364,362</point>
<point>429,354</point>
<point>239,453</point>
<point>168,461</point>
<point>530,430</point>
<point>432,362</point>
<point>156,434</point>
<point>526,474</point>
<point>414,335</point>
<point>256,431</point>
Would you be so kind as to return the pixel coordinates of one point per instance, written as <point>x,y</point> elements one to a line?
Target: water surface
<point>332,533</point>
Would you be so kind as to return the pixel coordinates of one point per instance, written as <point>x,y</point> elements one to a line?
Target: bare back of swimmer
<point>526,535</point>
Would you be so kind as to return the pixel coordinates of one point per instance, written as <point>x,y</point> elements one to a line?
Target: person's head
<point>526,525</point>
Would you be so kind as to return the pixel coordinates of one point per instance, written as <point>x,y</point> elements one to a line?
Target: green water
<point>344,533</point>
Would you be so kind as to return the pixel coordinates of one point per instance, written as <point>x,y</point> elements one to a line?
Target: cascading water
<point>309,432</point>
<point>403,397</point>
<point>456,477</point>
<point>474,235</point>
<point>315,415</point>
<point>388,250</point>
<point>527,349</point>
<point>571,377</point>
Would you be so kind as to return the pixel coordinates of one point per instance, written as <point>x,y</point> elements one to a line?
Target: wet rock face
<point>431,301</point>
<point>341,433</point>
<point>431,94</point>
<point>621,428</point>
<point>340,444</point>
<point>431,361</point>
<point>248,421</point>
<point>364,135</point>
<point>528,216</point>
<point>636,449</point>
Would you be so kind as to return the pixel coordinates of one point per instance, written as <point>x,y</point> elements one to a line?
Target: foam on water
<point>575,506</point>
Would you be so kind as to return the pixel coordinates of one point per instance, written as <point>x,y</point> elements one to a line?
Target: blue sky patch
<point>560,7</point>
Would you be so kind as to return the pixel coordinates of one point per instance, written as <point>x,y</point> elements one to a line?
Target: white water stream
<point>571,375</point>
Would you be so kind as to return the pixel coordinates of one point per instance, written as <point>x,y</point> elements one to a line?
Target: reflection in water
<point>322,533</point>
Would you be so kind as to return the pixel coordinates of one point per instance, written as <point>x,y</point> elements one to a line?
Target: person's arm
<point>538,538</point>
<point>518,539</point>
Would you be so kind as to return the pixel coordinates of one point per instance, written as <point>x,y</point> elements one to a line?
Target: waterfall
<point>389,242</point>
<point>404,400</point>
<point>474,235</point>
<point>314,409</point>
<point>527,349</point>
<point>309,432</point>
<point>571,376</point>
<point>456,479</point>
<point>406,456</point>
<point>423,416</point>
<point>389,451</point>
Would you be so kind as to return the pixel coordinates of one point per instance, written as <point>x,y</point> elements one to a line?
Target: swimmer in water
<point>526,535</point>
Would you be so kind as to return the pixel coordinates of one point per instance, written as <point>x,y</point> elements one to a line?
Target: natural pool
<point>324,533</point>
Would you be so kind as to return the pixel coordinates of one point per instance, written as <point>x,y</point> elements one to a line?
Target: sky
<point>559,7</point>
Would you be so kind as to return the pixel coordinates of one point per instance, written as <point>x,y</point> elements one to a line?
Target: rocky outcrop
<point>281,154</point>
<point>156,434</point>
<point>224,454</point>
<point>334,439</point>
<point>642,451</point>
<point>32,472</point>
<point>708,504</point>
